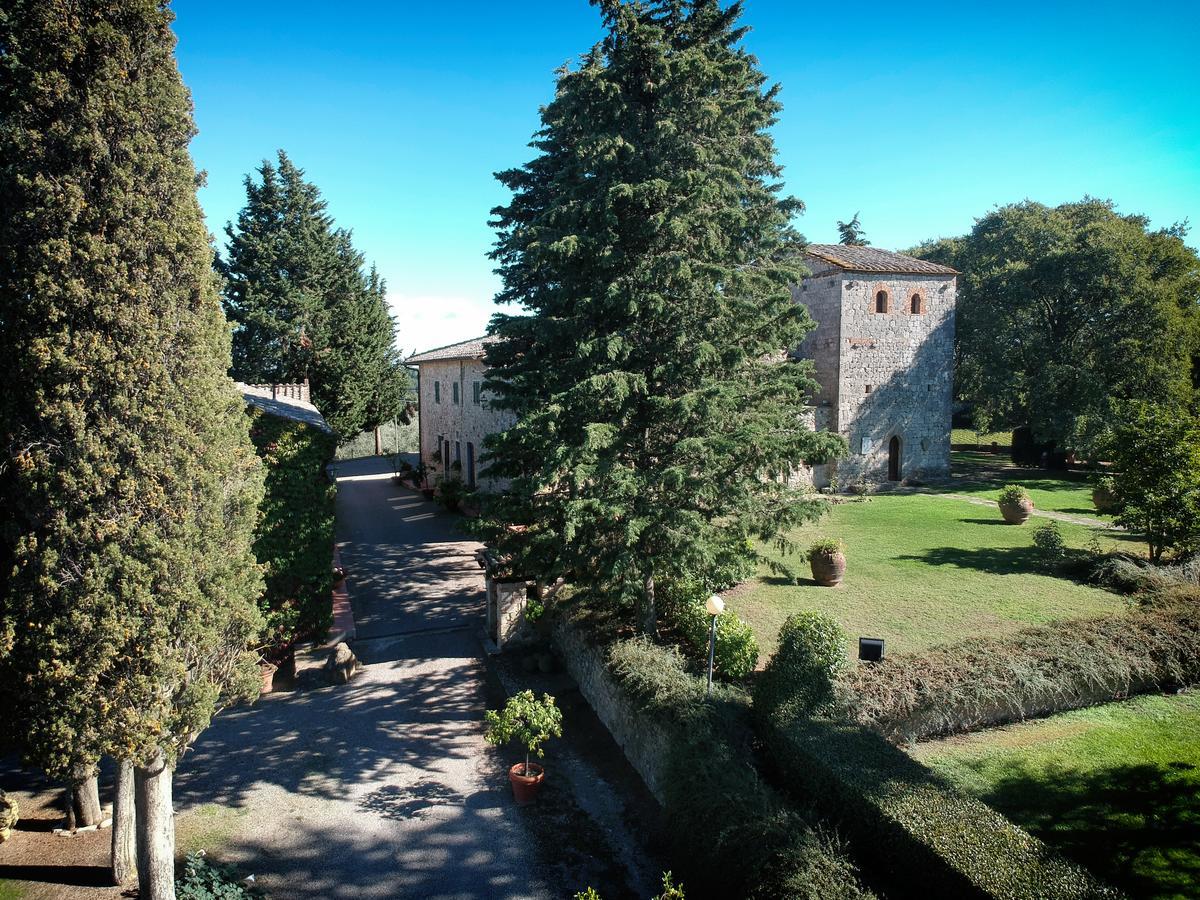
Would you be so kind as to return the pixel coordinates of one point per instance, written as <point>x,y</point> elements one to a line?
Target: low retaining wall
<point>645,742</point>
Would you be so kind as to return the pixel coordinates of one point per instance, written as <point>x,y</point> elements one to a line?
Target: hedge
<point>734,836</point>
<point>294,540</point>
<point>1035,672</point>
<point>924,837</point>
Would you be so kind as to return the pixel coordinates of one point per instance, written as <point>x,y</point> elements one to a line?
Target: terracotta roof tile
<point>871,259</point>
<point>472,349</point>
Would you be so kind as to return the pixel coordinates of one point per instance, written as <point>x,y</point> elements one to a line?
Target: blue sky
<point>920,117</point>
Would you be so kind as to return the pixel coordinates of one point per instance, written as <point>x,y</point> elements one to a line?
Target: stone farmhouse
<point>883,352</point>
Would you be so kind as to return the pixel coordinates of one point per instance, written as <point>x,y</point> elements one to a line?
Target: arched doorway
<point>894,459</point>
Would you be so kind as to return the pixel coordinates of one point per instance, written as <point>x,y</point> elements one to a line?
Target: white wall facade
<point>454,413</point>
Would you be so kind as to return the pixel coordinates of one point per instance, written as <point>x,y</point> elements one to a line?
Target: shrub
<point>1036,671</point>
<point>736,649</point>
<point>917,831</point>
<point>294,539</point>
<point>800,677</point>
<point>531,722</point>
<point>1048,540</point>
<point>204,879</point>
<point>1013,493</point>
<point>826,547</point>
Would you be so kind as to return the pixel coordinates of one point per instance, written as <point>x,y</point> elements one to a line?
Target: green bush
<point>730,830</point>
<point>736,649</point>
<point>1051,548</point>
<point>294,540</point>
<point>828,547</point>
<point>799,679</point>
<point>1036,671</point>
<point>1013,493</point>
<point>917,832</point>
<point>204,879</point>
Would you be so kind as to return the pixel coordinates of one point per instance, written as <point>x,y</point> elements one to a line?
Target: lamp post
<point>715,606</point>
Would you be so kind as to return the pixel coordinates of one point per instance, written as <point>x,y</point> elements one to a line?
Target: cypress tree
<point>658,413</point>
<point>128,479</point>
<point>303,306</point>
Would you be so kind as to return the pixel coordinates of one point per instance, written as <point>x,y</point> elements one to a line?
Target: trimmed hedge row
<point>1035,672</point>
<point>733,835</point>
<point>928,839</point>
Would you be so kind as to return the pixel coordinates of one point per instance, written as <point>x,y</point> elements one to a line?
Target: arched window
<point>881,302</point>
<point>918,305</point>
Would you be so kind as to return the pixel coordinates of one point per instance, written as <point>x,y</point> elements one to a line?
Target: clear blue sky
<point>919,116</point>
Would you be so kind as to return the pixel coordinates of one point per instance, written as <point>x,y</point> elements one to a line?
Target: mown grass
<point>971,436</point>
<point>923,571</point>
<point>208,827</point>
<point>10,890</point>
<point>983,475</point>
<point>1116,787</point>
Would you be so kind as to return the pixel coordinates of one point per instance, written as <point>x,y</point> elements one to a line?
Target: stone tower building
<point>883,351</point>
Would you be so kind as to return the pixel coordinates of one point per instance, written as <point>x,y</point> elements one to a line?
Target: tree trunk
<point>124,836</point>
<point>378,442</point>
<point>647,613</point>
<point>155,831</point>
<point>83,798</point>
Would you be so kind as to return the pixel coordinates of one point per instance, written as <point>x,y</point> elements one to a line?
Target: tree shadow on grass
<point>1137,826</point>
<point>993,560</point>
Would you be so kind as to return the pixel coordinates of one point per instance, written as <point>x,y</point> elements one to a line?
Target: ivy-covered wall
<point>295,533</point>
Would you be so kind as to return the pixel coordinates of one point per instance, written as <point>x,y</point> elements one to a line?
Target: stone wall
<point>895,374</point>
<point>645,742</point>
<point>463,422</point>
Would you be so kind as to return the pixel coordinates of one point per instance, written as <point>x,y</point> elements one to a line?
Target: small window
<point>455,392</point>
<point>437,392</point>
<point>881,302</point>
<point>476,391</point>
<point>918,305</point>
<point>870,387</point>
<point>458,452</point>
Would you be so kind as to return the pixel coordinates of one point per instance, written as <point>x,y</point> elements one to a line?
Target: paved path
<point>383,787</point>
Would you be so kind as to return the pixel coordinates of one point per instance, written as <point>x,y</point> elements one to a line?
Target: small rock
<point>106,822</point>
<point>342,663</point>
<point>10,811</point>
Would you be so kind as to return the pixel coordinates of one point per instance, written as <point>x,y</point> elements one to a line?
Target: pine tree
<point>303,307</point>
<point>657,410</point>
<point>851,233</point>
<point>128,479</point>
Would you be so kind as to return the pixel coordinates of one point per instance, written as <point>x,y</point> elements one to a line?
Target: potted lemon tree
<point>531,722</point>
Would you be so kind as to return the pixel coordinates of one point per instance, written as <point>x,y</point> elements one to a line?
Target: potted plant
<point>532,722</point>
<point>827,558</point>
<point>1104,494</point>
<point>1015,505</point>
<point>266,671</point>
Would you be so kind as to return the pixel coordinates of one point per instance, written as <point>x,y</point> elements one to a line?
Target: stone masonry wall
<point>462,423</point>
<point>895,375</point>
<point>646,743</point>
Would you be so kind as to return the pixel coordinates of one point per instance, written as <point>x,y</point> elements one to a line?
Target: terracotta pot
<point>267,670</point>
<point>1103,499</point>
<point>1017,513</point>
<point>525,787</point>
<point>828,570</point>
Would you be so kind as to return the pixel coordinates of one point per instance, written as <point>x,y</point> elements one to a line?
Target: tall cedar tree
<point>655,405</point>
<point>128,480</point>
<point>1066,313</point>
<point>303,307</point>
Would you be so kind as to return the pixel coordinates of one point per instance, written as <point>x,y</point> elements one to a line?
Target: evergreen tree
<point>851,233</point>
<point>127,476</point>
<point>303,307</point>
<point>656,407</point>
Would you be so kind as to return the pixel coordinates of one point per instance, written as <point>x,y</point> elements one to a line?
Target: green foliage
<point>653,254</point>
<point>589,894</point>
<point>294,541</point>
<point>1037,671</point>
<point>452,491</point>
<point>1012,493</point>
<point>303,305</point>
<point>205,879</point>
<point>799,679</point>
<point>1051,547</point>
<point>735,652</point>
<point>735,837</point>
<point>1156,450</point>
<point>529,721</point>
<point>127,476</point>
<point>827,547</point>
<point>851,233</point>
<point>917,832</point>
<point>1063,313</point>
<point>670,891</point>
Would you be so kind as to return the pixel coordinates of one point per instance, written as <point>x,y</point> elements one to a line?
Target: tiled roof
<point>284,407</point>
<point>872,259</point>
<point>472,349</point>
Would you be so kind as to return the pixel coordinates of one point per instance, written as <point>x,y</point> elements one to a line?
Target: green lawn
<point>922,571</point>
<point>1117,787</point>
<point>970,436</point>
<point>982,475</point>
